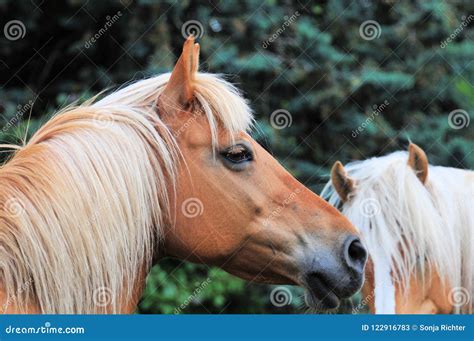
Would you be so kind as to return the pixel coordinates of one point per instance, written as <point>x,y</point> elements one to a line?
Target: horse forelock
<point>408,222</point>
<point>85,200</point>
<point>222,103</point>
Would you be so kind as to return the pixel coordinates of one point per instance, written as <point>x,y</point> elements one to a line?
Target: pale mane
<point>84,202</point>
<point>404,222</point>
<point>453,193</point>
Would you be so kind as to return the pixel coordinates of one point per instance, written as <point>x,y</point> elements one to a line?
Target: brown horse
<point>163,167</point>
<point>418,225</point>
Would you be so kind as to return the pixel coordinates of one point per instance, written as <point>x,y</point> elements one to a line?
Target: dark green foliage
<point>318,68</point>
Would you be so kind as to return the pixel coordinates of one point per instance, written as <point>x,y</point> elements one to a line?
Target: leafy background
<point>319,68</point>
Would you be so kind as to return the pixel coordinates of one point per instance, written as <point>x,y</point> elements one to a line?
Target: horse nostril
<point>356,250</point>
<point>355,254</point>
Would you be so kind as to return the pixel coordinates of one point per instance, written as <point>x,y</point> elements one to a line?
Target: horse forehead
<point>198,134</point>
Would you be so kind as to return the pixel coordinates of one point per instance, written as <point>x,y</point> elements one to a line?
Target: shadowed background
<point>332,80</point>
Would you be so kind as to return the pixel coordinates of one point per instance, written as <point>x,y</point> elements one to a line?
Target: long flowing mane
<point>83,203</point>
<point>453,193</point>
<point>409,225</point>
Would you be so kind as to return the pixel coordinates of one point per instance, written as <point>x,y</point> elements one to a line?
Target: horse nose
<point>332,274</point>
<point>354,254</point>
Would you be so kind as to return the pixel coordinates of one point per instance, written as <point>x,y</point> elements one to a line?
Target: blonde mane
<point>84,202</point>
<point>414,227</point>
<point>452,191</point>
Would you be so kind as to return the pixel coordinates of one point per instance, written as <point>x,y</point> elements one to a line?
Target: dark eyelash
<point>238,159</point>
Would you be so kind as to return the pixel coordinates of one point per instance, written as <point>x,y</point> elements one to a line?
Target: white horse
<point>417,222</point>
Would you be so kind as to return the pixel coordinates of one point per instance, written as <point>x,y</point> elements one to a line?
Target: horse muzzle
<point>335,274</point>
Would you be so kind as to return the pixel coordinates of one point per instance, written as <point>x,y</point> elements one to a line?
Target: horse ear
<point>179,91</point>
<point>418,161</point>
<point>343,184</point>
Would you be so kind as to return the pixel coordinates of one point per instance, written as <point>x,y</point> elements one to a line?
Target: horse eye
<point>237,156</point>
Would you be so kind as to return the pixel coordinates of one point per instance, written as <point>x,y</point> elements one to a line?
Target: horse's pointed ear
<point>418,161</point>
<point>179,91</point>
<point>343,184</point>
